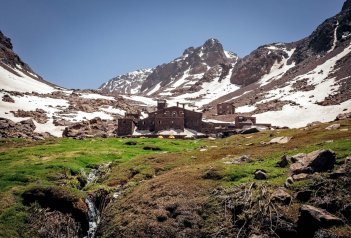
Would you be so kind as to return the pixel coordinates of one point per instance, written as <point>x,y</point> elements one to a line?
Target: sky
<point>84,43</point>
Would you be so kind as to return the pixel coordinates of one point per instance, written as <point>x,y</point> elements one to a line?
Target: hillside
<point>177,188</point>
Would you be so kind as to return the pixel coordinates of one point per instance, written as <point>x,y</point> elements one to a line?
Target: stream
<point>93,212</point>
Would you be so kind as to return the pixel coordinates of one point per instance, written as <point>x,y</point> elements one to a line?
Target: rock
<point>346,212</point>
<point>299,177</point>
<point>280,140</point>
<point>324,234</point>
<point>281,196</point>
<point>250,130</point>
<point>92,128</point>
<point>61,122</point>
<point>260,175</point>
<point>333,127</point>
<point>213,174</point>
<point>239,160</point>
<point>304,196</point>
<point>284,161</point>
<point>7,98</point>
<point>316,161</point>
<point>314,123</point>
<point>286,229</point>
<point>38,115</point>
<point>28,123</point>
<point>296,157</point>
<point>288,182</point>
<point>338,173</point>
<point>311,219</point>
<point>343,116</point>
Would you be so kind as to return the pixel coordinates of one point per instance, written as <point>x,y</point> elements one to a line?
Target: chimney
<point>177,104</point>
<point>161,104</point>
<point>183,105</point>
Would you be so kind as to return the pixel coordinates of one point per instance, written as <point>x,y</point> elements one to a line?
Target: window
<point>174,114</point>
<point>159,122</point>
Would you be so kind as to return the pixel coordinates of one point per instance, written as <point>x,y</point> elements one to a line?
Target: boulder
<point>343,116</point>
<point>260,175</point>
<point>297,157</point>
<point>7,98</point>
<point>312,219</point>
<point>284,161</point>
<point>299,177</point>
<point>316,161</point>
<point>281,196</point>
<point>250,130</point>
<point>333,127</point>
<point>280,140</point>
<point>91,128</point>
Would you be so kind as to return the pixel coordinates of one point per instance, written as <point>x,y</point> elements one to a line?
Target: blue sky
<point>84,43</point>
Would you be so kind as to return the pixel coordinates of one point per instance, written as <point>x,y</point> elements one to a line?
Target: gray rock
<point>312,219</point>
<point>281,196</point>
<point>260,175</point>
<point>316,161</point>
<point>284,161</point>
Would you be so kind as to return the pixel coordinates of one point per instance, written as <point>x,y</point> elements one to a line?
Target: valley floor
<point>173,188</point>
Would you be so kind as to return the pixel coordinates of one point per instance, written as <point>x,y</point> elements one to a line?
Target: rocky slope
<point>33,108</point>
<point>129,83</point>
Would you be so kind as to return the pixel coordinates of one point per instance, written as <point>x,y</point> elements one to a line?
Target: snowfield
<point>22,83</point>
<point>307,110</point>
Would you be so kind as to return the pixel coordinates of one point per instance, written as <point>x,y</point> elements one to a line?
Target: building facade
<point>225,108</point>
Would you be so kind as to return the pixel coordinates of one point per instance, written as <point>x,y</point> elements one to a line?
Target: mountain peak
<point>212,42</point>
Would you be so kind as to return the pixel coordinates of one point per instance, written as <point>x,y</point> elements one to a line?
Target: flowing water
<point>93,212</point>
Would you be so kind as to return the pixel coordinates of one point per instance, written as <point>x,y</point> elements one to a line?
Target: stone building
<point>225,108</point>
<point>174,117</point>
<point>179,118</point>
<point>125,126</point>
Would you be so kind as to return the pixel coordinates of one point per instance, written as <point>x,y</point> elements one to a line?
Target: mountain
<point>129,83</point>
<point>281,83</point>
<point>31,107</point>
<point>204,64</point>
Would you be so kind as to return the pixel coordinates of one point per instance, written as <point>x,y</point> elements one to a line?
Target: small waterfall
<point>93,212</point>
<point>94,217</point>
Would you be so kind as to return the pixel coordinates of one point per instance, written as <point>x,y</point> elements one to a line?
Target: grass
<point>176,171</point>
<point>22,164</point>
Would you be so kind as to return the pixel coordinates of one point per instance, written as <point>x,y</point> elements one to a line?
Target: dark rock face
<point>321,40</point>
<point>9,57</point>
<point>258,63</point>
<point>346,5</point>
